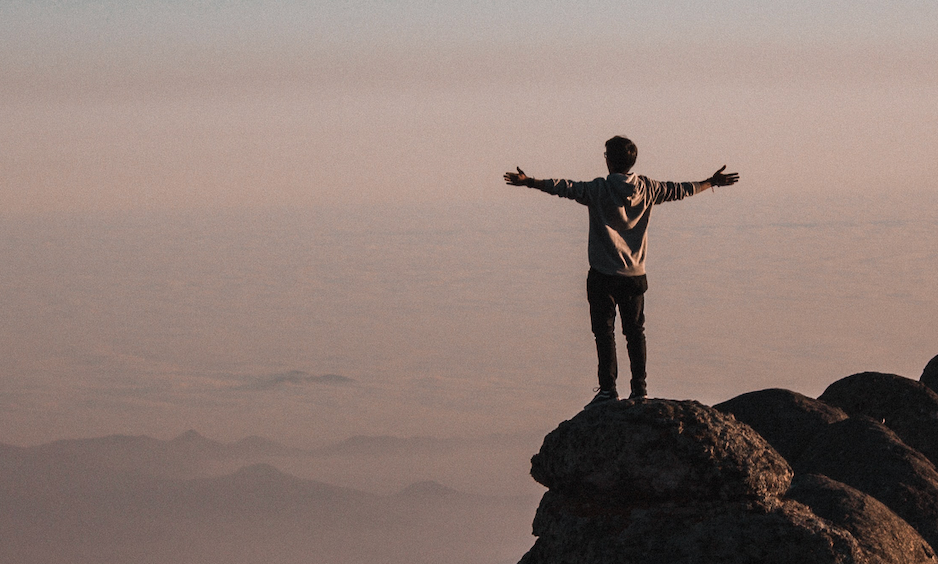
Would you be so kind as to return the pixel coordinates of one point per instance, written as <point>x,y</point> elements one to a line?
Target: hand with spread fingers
<point>720,179</point>
<point>521,179</point>
<point>516,179</point>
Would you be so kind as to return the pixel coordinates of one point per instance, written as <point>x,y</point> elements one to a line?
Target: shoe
<point>602,397</point>
<point>639,389</point>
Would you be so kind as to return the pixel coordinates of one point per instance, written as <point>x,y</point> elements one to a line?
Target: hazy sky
<point>120,109</point>
<point>169,104</point>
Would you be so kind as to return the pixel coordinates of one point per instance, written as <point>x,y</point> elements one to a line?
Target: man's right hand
<point>720,179</point>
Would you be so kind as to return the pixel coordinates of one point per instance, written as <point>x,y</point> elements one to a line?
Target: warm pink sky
<point>154,105</point>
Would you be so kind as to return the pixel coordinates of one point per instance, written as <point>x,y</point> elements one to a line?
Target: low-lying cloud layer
<point>296,378</point>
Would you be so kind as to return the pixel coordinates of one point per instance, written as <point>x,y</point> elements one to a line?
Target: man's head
<point>620,155</point>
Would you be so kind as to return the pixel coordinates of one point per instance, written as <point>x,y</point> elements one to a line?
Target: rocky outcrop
<point>769,476</point>
<point>788,420</point>
<point>666,481</point>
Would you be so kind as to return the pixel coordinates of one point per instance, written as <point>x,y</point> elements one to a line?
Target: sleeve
<point>669,191</point>
<point>577,191</point>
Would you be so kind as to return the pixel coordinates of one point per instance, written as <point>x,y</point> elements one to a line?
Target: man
<point>619,208</point>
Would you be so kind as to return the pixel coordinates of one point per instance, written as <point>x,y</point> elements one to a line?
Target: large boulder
<point>868,456</point>
<point>769,531</point>
<point>786,419</point>
<point>929,375</point>
<point>907,407</point>
<point>672,482</point>
<point>882,534</point>
<point>659,450</point>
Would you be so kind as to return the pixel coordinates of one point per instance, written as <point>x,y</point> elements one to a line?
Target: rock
<point>672,482</point>
<point>659,450</point>
<point>882,534</point>
<point>787,420</point>
<point>930,375</point>
<point>866,455</point>
<point>907,407</point>
<point>760,531</point>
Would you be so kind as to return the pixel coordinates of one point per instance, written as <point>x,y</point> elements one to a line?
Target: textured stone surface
<point>758,532</point>
<point>883,535</point>
<point>659,450</point>
<point>929,375</point>
<point>787,419</point>
<point>907,407</point>
<point>866,455</point>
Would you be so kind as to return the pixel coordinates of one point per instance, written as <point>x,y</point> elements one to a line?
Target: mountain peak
<point>188,437</point>
<point>192,441</point>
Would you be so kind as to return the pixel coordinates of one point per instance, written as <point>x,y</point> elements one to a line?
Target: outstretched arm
<point>718,179</point>
<point>521,179</point>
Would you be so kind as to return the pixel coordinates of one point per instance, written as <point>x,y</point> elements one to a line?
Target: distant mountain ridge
<point>122,498</point>
<point>385,444</point>
<point>428,489</point>
<point>193,446</point>
<point>183,456</point>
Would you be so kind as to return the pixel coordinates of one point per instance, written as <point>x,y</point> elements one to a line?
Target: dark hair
<point>621,154</point>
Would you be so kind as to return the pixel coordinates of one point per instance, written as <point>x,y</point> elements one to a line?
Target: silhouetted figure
<point>619,209</point>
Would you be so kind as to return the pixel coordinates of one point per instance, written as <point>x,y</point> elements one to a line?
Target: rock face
<point>866,455</point>
<point>672,482</point>
<point>773,532</point>
<point>879,531</point>
<point>659,450</point>
<point>788,420</point>
<point>929,375</point>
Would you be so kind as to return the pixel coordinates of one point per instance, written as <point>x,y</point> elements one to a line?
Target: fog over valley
<point>312,327</point>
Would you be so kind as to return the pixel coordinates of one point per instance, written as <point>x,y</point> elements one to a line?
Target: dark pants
<point>605,292</point>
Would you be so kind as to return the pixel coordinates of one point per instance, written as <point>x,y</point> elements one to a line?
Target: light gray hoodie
<point>619,209</point>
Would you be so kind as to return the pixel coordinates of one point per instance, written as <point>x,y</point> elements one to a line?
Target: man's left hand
<point>516,179</point>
